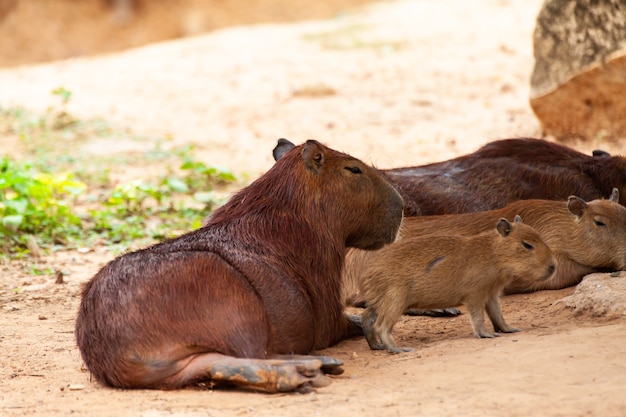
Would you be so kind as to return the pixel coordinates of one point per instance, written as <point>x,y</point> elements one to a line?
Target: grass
<point>51,199</point>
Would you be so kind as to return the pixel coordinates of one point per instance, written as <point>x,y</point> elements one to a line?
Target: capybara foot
<point>330,365</point>
<point>508,329</point>
<point>439,312</point>
<point>487,335</point>
<point>274,375</point>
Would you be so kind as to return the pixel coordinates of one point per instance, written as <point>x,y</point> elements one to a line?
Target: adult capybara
<point>502,172</point>
<point>509,170</point>
<point>445,270</point>
<point>584,237</point>
<point>260,280</point>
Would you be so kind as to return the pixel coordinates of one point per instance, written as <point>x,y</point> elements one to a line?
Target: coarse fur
<point>444,270</point>
<point>584,237</point>
<point>505,171</point>
<point>260,280</point>
<point>502,172</point>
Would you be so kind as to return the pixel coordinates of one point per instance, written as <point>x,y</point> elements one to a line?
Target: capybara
<point>445,270</point>
<point>505,171</point>
<point>584,237</point>
<point>501,172</point>
<point>259,282</point>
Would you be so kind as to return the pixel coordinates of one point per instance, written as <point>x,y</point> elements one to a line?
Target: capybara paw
<point>330,365</point>
<point>510,330</point>
<point>487,335</point>
<point>300,376</point>
<point>377,346</point>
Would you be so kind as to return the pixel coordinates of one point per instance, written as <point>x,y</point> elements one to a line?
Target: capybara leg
<point>390,343</point>
<point>267,375</point>
<point>478,321</point>
<point>368,320</point>
<point>383,326</point>
<point>495,314</point>
<point>439,312</point>
<point>330,365</point>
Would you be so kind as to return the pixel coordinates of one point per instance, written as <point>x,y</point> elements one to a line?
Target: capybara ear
<point>313,155</point>
<point>614,196</point>
<point>576,205</point>
<point>517,219</point>
<point>504,227</point>
<point>599,153</point>
<point>282,148</point>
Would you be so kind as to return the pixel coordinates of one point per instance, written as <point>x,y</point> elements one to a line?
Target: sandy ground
<point>396,83</point>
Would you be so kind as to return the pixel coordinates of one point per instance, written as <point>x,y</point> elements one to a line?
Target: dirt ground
<point>395,83</point>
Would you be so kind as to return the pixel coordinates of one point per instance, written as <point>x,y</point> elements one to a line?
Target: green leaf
<point>12,223</point>
<point>204,196</point>
<point>177,185</point>
<point>18,205</point>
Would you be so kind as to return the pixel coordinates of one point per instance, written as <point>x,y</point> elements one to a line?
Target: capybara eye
<point>354,170</point>
<point>599,222</point>
<point>527,245</point>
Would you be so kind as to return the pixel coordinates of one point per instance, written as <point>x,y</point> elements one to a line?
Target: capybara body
<point>505,171</point>
<point>261,279</point>
<point>502,172</point>
<point>584,237</point>
<point>439,271</point>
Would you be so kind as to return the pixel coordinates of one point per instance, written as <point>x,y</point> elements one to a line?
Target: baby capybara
<point>446,270</point>
<point>584,237</point>
<point>501,172</point>
<point>235,299</point>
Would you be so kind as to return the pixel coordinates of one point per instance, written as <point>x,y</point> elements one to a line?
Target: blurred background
<point>37,31</point>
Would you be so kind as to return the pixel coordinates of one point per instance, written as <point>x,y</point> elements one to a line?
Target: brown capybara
<point>259,282</point>
<point>584,237</point>
<point>505,171</point>
<point>501,172</point>
<point>444,270</point>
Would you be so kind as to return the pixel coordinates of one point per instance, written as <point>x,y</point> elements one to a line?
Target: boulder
<point>578,85</point>
<point>599,295</point>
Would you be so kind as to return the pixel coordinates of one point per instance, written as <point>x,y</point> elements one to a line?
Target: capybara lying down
<point>584,238</point>
<point>502,172</point>
<point>235,299</point>
<point>505,171</point>
<point>445,270</point>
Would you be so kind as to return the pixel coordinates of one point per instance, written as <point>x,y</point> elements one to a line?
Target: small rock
<point>75,387</point>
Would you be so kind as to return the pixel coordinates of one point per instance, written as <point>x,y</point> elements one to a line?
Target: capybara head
<point>601,233</point>
<point>527,253</point>
<point>348,193</point>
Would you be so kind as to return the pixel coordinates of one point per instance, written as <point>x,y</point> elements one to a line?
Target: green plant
<point>35,203</point>
<point>43,205</point>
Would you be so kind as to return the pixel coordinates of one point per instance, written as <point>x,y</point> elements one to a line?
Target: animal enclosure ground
<point>397,83</point>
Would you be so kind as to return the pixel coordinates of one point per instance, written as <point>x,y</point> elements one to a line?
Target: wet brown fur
<point>260,279</point>
<point>584,237</point>
<point>444,270</point>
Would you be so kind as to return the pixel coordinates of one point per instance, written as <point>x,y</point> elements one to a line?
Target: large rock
<point>600,295</point>
<point>578,86</point>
